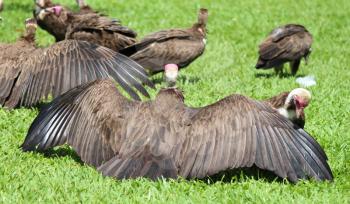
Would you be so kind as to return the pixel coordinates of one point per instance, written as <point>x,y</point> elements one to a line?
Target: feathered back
<point>164,137</point>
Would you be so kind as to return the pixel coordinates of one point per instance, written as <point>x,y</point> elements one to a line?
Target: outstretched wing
<point>70,63</point>
<point>238,132</point>
<point>88,118</point>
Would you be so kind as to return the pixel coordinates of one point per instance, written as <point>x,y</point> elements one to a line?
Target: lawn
<point>227,66</point>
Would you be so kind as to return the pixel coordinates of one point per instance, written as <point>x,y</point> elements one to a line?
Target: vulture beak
<point>171,72</point>
<point>300,104</point>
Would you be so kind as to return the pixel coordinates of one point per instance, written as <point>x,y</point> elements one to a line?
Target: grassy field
<point>227,66</point>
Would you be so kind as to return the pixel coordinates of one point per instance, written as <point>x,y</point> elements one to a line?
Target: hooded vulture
<point>28,73</point>
<point>288,43</point>
<point>292,104</point>
<point>175,46</point>
<point>164,137</point>
<point>88,26</point>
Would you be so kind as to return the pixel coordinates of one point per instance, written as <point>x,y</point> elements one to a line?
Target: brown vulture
<point>164,137</point>
<point>175,46</point>
<point>28,73</point>
<point>88,26</point>
<point>288,43</point>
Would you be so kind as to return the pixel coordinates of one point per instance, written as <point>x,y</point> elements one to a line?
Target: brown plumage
<point>288,43</point>
<point>88,26</point>
<point>28,73</point>
<point>174,46</point>
<point>164,137</point>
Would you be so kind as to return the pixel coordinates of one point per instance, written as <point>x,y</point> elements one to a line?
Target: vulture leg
<point>294,66</point>
<point>279,69</point>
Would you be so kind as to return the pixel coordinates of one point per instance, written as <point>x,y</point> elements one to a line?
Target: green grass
<point>236,28</point>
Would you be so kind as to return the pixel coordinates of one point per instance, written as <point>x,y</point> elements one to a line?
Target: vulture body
<point>29,74</point>
<point>288,43</point>
<point>174,46</point>
<point>84,25</point>
<point>164,137</point>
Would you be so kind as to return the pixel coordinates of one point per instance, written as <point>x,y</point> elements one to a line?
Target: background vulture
<point>28,73</point>
<point>175,46</point>
<point>164,137</point>
<point>287,43</point>
<point>88,26</point>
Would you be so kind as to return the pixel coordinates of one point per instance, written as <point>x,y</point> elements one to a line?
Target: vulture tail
<point>260,64</point>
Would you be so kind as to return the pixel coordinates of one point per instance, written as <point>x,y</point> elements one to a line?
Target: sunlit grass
<point>227,66</point>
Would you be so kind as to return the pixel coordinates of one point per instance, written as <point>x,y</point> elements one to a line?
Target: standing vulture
<point>175,46</point>
<point>91,27</point>
<point>28,73</point>
<point>288,43</point>
<point>164,137</point>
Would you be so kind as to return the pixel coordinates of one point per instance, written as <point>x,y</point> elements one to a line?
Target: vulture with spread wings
<point>288,43</point>
<point>178,47</point>
<point>28,73</point>
<point>88,26</point>
<point>164,137</point>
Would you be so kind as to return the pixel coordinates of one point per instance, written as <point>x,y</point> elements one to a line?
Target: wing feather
<point>70,63</point>
<point>257,135</point>
<point>69,119</point>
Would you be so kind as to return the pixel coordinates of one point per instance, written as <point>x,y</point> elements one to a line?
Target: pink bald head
<point>171,67</point>
<point>57,10</point>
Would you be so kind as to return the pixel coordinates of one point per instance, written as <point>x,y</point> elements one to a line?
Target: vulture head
<point>297,100</point>
<point>170,73</point>
<point>30,26</point>
<point>202,21</point>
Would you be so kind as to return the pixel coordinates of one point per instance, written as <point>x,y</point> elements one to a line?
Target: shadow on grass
<point>242,175</point>
<point>181,79</point>
<point>64,151</point>
<point>273,75</point>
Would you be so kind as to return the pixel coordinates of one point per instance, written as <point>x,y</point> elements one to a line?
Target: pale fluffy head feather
<point>302,93</point>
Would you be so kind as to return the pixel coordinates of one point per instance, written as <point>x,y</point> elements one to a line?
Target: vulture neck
<point>279,100</point>
<point>199,29</point>
<point>289,111</point>
<point>169,100</point>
